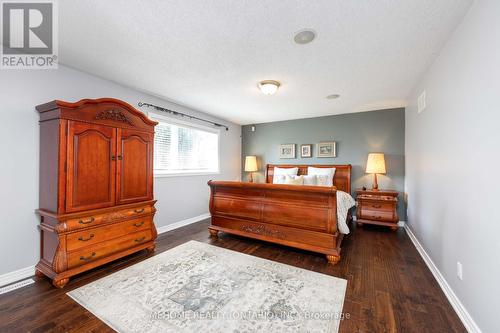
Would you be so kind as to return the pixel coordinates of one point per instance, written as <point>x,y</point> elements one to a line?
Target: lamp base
<point>375,184</point>
<point>250,178</point>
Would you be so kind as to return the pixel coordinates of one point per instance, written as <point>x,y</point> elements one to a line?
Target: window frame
<point>182,123</point>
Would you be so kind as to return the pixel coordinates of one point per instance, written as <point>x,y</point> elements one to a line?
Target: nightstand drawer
<point>378,205</point>
<point>377,215</point>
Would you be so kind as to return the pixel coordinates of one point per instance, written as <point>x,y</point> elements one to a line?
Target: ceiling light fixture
<point>304,36</point>
<point>333,96</point>
<point>269,87</point>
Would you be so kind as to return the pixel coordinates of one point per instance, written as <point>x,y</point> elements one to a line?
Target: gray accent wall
<point>356,134</point>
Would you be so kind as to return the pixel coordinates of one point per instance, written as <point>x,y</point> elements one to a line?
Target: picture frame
<point>287,150</point>
<point>327,149</point>
<point>306,150</point>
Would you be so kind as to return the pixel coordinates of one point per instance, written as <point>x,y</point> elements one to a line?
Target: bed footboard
<point>304,217</point>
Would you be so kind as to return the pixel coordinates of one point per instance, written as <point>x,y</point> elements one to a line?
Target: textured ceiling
<point>210,54</point>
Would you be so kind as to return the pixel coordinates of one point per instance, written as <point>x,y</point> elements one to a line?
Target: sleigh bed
<point>299,216</point>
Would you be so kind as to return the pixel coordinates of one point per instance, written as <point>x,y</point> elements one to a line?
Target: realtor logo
<point>29,35</point>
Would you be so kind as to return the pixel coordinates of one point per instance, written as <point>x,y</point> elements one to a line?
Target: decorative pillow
<point>322,180</point>
<point>330,172</point>
<point>279,173</point>
<point>291,180</point>
<point>311,180</point>
<point>278,179</point>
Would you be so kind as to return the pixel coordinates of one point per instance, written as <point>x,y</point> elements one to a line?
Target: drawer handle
<point>86,222</point>
<point>377,217</point>
<point>88,258</point>
<point>138,224</point>
<point>138,211</point>
<point>86,239</point>
<point>376,206</point>
<point>138,240</point>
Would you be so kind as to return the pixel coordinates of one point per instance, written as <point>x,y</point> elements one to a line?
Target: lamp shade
<point>251,163</point>
<point>375,163</point>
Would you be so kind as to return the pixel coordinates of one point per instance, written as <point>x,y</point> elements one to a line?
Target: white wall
<point>452,160</point>
<point>178,198</point>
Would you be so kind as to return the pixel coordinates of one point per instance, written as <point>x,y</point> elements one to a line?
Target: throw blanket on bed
<point>344,203</point>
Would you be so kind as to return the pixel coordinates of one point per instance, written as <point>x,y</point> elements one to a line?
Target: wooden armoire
<point>96,185</point>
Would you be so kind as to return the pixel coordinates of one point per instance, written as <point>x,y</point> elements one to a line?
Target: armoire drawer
<point>100,250</point>
<point>90,236</point>
<point>97,219</point>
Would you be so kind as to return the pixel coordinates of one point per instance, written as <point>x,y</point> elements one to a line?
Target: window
<point>182,148</point>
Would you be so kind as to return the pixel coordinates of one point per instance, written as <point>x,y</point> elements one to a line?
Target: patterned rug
<point>197,287</point>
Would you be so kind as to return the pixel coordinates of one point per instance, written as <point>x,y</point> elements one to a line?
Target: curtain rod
<point>175,113</point>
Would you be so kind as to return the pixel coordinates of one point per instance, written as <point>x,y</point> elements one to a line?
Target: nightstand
<point>377,207</point>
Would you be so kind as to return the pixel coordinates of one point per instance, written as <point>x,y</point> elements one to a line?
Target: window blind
<point>184,149</point>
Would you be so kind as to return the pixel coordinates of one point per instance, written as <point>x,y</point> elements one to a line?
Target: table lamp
<point>375,165</point>
<point>251,166</point>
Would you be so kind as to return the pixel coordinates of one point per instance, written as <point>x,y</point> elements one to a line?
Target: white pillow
<point>279,173</point>
<point>294,180</point>
<point>279,179</point>
<point>322,180</point>
<point>308,180</point>
<point>329,172</point>
<point>311,180</point>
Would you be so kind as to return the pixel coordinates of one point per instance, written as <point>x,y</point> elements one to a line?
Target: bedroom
<point>177,94</point>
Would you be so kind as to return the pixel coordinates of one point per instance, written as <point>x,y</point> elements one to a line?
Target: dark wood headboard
<point>341,179</point>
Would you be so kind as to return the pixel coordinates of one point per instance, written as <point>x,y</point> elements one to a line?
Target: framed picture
<point>327,149</point>
<point>305,150</point>
<point>287,150</point>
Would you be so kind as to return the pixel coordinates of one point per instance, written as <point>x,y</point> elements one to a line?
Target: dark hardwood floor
<point>390,289</point>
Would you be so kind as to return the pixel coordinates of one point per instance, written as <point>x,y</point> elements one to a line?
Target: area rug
<point>197,287</point>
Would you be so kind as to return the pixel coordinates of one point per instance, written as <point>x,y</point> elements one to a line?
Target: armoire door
<point>91,166</point>
<point>135,166</point>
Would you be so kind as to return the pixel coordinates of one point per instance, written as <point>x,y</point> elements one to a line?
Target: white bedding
<point>344,203</point>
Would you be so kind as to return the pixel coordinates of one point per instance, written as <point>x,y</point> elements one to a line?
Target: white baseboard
<point>182,223</point>
<point>463,314</point>
<point>18,275</point>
